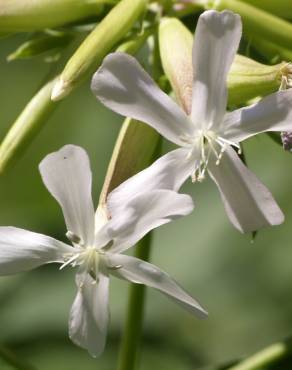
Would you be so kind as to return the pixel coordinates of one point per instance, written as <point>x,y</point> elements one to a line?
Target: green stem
<point>8,356</point>
<point>135,312</point>
<point>267,356</point>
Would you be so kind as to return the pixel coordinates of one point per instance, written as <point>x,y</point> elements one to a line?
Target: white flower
<point>123,86</point>
<point>97,243</point>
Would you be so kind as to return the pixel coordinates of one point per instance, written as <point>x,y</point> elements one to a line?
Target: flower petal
<point>22,250</point>
<point>143,213</point>
<point>89,315</point>
<point>141,272</point>
<point>272,113</point>
<point>216,41</point>
<point>168,172</point>
<point>122,85</point>
<point>248,203</point>
<point>67,175</point>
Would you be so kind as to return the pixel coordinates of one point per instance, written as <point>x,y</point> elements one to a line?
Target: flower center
<point>88,259</point>
<point>207,143</point>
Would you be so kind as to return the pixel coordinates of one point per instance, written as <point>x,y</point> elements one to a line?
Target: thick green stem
<point>135,312</point>
<point>267,356</point>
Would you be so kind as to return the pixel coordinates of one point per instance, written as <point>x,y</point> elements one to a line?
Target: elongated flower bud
<point>27,125</point>
<point>256,21</point>
<point>247,79</point>
<point>175,44</point>
<point>32,15</point>
<point>281,8</point>
<point>89,55</point>
<point>129,155</point>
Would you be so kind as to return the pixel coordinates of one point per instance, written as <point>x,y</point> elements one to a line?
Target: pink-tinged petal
<point>272,113</point>
<point>22,250</point>
<point>141,272</point>
<point>89,314</point>
<point>216,41</point>
<point>122,85</point>
<point>67,175</point>
<point>248,203</point>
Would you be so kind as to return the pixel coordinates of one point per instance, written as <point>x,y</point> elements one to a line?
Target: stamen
<point>70,260</point>
<point>115,267</point>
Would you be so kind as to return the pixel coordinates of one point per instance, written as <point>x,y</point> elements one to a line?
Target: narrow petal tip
<point>60,90</point>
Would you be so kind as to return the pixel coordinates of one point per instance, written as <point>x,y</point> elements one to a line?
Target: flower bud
<point>129,155</point>
<point>27,125</point>
<point>256,21</point>
<point>175,44</point>
<point>32,15</point>
<point>98,43</point>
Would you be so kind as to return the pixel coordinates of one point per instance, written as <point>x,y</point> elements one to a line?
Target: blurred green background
<point>246,287</point>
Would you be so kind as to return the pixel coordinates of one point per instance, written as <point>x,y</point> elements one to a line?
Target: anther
<point>73,237</point>
<point>116,267</point>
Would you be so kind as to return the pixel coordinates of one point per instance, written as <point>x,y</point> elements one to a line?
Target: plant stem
<point>267,356</point>
<point>134,321</point>
<point>8,356</point>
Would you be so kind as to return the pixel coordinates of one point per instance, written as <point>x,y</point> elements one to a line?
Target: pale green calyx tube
<point>32,15</point>
<point>247,78</point>
<point>94,48</point>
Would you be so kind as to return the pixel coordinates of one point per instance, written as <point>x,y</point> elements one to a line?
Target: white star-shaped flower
<point>208,135</point>
<point>97,243</point>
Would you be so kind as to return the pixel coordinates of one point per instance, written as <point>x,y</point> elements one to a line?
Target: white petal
<point>272,113</point>
<point>143,213</point>
<point>22,250</point>
<point>248,203</point>
<point>216,41</point>
<point>89,314</point>
<point>168,172</point>
<point>67,176</point>
<point>122,85</point>
<point>141,272</point>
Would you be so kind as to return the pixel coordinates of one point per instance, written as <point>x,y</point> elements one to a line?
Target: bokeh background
<point>246,286</point>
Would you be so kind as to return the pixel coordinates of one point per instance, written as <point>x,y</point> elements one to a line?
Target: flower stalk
<point>27,125</point>
<point>266,357</point>
<point>129,350</point>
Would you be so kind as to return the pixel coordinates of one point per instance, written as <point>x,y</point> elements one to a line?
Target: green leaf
<point>40,45</point>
